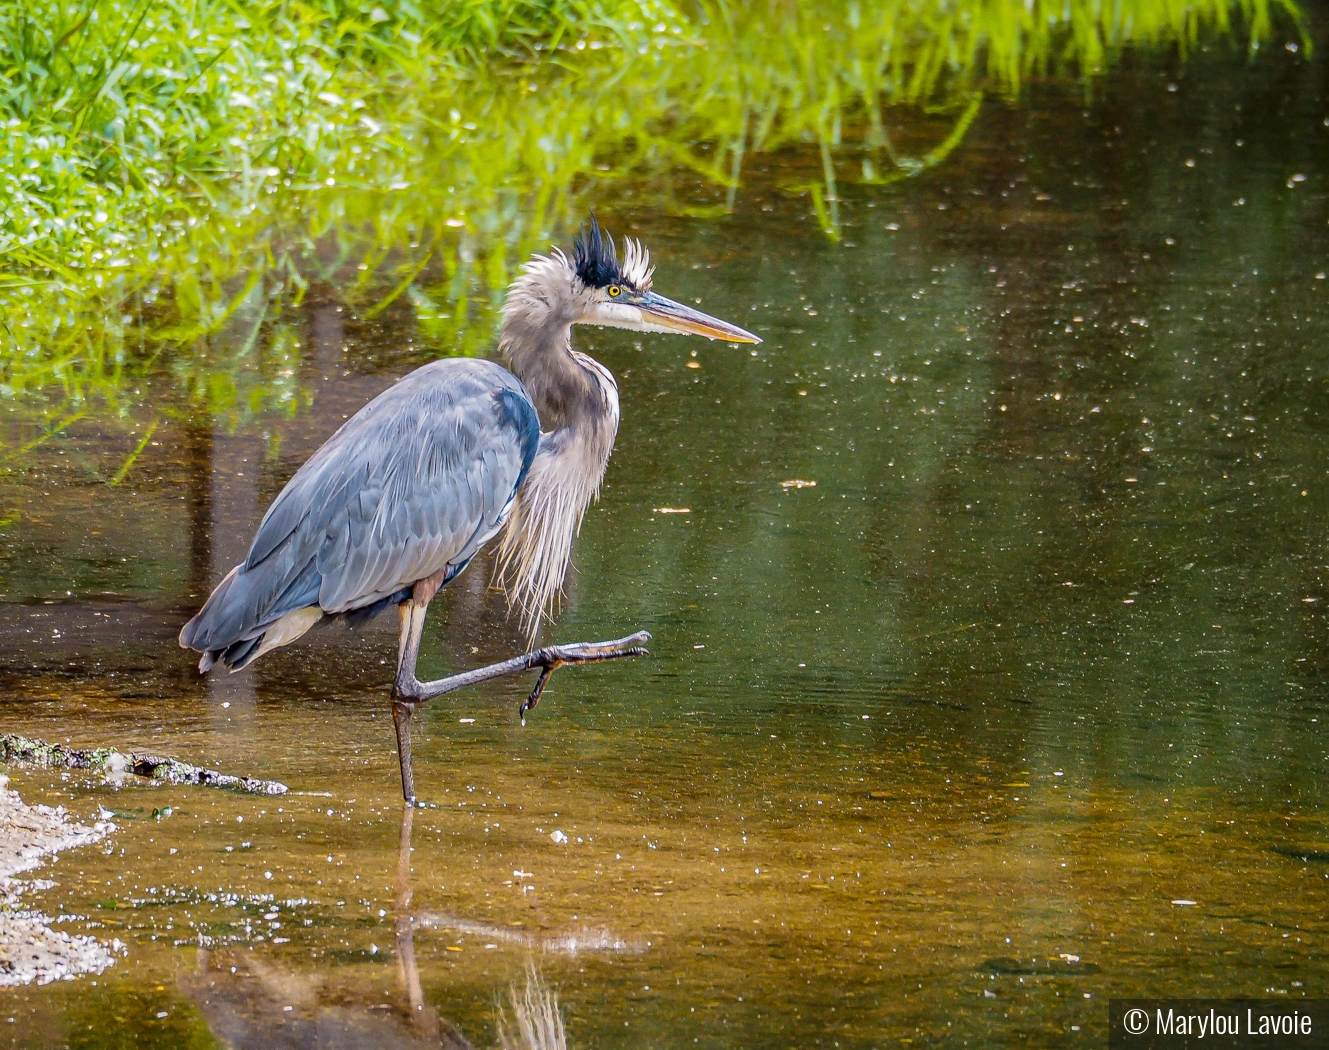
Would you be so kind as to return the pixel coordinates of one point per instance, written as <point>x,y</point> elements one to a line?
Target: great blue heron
<point>401,498</point>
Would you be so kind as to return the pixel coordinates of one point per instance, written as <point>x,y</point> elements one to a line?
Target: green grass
<point>177,173</point>
<point>127,122</point>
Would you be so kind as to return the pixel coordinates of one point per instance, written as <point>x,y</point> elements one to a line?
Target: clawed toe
<point>552,657</point>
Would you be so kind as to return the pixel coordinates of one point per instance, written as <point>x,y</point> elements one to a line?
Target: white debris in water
<point>30,950</point>
<point>1183,902</point>
<point>559,837</point>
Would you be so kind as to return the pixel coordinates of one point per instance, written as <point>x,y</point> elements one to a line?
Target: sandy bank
<point>30,950</point>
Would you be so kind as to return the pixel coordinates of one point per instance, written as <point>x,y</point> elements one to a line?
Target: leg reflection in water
<point>424,1019</point>
<point>537,1024</point>
<point>250,1003</point>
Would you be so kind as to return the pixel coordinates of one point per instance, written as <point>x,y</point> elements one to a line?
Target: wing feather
<point>410,485</point>
<point>443,477</point>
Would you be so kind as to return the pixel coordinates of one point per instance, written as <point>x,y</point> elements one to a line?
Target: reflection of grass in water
<point>179,175</point>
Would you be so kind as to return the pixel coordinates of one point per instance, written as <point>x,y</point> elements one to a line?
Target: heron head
<point>616,293</point>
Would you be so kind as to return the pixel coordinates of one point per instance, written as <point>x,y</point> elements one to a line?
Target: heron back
<point>414,483</point>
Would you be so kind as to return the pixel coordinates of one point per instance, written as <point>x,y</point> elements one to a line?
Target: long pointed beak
<point>668,316</point>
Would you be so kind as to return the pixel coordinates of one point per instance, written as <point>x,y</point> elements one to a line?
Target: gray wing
<point>413,483</point>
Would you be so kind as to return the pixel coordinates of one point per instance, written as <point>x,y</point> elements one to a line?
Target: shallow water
<point>924,754</point>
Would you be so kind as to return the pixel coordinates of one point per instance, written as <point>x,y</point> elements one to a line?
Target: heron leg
<point>401,718</point>
<point>408,691</point>
<point>548,659</point>
<point>412,616</point>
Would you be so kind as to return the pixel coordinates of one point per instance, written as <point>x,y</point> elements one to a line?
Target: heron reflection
<point>251,1003</point>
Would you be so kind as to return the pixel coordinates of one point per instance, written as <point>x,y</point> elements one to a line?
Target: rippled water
<point>925,753</point>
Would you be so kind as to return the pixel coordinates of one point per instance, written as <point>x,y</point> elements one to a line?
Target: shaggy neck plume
<point>577,400</point>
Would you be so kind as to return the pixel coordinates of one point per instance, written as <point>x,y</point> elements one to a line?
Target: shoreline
<point>31,951</point>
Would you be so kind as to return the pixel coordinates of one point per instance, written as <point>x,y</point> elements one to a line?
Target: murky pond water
<point>926,753</point>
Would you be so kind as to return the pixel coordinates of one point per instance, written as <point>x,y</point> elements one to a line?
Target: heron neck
<point>579,427</point>
<point>577,400</point>
<point>566,395</point>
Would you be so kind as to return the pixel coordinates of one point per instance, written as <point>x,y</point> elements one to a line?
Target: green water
<point>923,755</point>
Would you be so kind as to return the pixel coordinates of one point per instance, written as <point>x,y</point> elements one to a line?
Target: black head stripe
<point>594,257</point>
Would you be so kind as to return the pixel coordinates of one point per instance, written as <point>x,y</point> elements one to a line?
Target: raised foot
<point>409,691</point>
<point>552,657</point>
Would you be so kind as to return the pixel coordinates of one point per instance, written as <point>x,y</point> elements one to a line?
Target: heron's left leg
<point>408,690</point>
<point>548,659</point>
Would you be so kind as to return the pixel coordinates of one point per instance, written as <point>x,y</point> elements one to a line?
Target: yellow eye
<point>614,291</point>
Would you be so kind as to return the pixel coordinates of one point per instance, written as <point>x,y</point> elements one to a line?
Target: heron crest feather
<point>596,264</point>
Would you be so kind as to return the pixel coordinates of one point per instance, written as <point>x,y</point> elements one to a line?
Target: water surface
<point>925,753</point>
